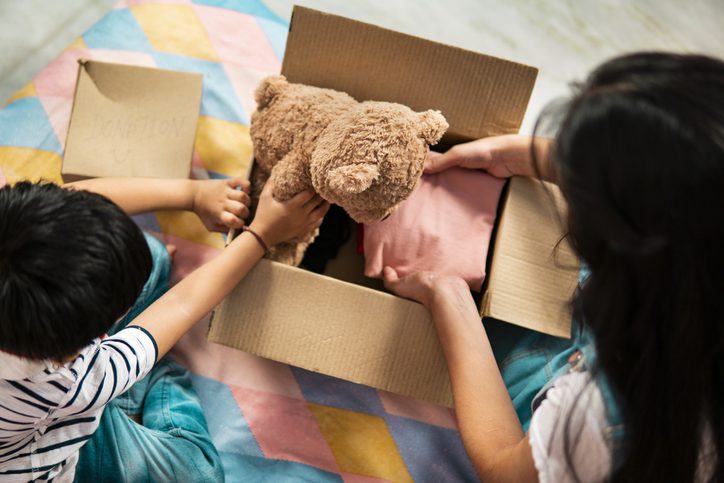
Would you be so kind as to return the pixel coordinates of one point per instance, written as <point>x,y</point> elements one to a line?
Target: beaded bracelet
<point>258,238</point>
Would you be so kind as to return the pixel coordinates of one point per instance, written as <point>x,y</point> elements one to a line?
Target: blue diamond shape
<point>25,124</point>
<point>219,99</point>
<point>118,30</point>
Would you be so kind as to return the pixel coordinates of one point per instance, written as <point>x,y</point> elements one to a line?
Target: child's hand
<point>279,221</point>
<point>478,154</point>
<point>220,205</point>
<point>422,286</point>
<point>501,156</point>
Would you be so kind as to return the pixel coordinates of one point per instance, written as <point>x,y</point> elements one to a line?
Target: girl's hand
<point>279,221</point>
<point>501,156</point>
<point>422,286</point>
<point>220,205</point>
<point>477,154</point>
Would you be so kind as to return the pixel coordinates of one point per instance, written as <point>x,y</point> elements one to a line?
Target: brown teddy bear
<point>363,156</point>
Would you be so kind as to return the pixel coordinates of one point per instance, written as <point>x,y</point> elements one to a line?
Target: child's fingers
<point>390,275</point>
<point>239,196</point>
<point>238,183</point>
<point>314,225</point>
<point>302,198</point>
<point>437,162</point>
<point>231,221</point>
<point>315,201</point>
<point>319,211</point>
<point>236,208</point>
<point>317,215</point>
<point>219,228</point>
<point>392,281</point>
<point>410,286</point>
<point>246,199</point>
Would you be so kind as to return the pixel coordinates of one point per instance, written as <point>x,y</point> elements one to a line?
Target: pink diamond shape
<point>244,80</point>
<point>58,111</point>
<point>237,38</point>
<point>57,79</point>
<point>197,163</point>
<point>122,57</point>
<point>285,428</point>
<point>419,410</point>
<point>189,256</point>
<point>352,478</point>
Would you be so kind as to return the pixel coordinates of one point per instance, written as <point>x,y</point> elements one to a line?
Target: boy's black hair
<point>71,264</point>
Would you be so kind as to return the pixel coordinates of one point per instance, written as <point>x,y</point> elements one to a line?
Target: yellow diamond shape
<point>175,29</point>
<point>19,164</point>
<point>224,147</point>
<point>78,43</point>
<point>361,443</point>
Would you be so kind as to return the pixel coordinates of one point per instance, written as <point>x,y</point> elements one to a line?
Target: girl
<point>638,392</point>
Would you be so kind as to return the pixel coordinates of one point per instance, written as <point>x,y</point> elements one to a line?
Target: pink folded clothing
<point>444,226</point>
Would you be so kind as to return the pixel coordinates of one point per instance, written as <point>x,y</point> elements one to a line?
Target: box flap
<point>532,277</point>
<point>131,121</point>
<point>336,328</point>
<point>479,95</point>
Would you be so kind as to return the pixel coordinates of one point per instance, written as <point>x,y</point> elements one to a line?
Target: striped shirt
<point>47,416</point>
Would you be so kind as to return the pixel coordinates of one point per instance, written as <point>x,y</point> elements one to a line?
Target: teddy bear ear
<point>269,88</point>
<point>352,178</point>
<point>433,126</point>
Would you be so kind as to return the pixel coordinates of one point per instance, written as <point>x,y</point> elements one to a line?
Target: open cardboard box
<point>335,325</point>
<point>131,121</point>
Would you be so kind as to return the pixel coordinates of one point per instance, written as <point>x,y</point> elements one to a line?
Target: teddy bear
<point>366,157</point>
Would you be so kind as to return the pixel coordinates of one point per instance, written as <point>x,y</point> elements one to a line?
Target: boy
<point>72,263</point>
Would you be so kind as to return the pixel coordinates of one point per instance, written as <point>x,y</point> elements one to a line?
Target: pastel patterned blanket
<point>271,422</point>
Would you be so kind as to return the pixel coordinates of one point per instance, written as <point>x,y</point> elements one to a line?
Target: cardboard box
<point>335,325</point>
<point>131,121</point>
<point>533,272</point>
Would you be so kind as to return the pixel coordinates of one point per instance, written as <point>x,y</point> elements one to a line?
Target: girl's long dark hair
<point>640,159</point>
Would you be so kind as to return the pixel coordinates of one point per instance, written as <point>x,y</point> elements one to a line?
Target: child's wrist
<point>513,152</point>
<point>258,237</point>
<point>263,232</point>
<point>446,288</point>
<point>192,194</point>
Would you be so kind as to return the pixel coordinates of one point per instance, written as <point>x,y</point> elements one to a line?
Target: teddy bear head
<point>370,158</point>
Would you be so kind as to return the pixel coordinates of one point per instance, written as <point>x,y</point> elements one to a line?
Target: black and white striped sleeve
<point>117,363</point>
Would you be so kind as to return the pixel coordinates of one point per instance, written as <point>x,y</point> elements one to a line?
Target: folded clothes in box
<point>444,226</point>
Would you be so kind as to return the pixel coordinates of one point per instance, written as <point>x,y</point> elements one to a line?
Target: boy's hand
<point>279,221</point>
<point>220,205</point>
